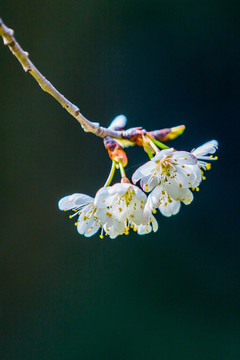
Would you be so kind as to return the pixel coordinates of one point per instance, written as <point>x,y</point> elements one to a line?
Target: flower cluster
<point>168,177</point>
<point>115,209</point>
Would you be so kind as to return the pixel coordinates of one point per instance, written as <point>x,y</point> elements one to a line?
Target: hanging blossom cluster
<point>169,177</point>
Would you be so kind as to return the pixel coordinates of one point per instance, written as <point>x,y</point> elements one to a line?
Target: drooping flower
<point>83,206</point>
<point>170,168</point>
<point>170,174</point>
<point>89,215</point>
<point>124,203</point>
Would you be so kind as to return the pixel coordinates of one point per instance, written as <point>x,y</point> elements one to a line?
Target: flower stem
<point>151,142</point>
<point>111,174</point>
<point>148,151</point>
<point>121,168</point>
<point>160,144</point>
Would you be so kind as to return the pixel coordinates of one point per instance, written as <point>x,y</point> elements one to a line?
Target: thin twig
<point>23,57</point>
<point>88,126</point>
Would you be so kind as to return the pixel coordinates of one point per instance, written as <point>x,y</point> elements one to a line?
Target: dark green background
<point>171,295</point>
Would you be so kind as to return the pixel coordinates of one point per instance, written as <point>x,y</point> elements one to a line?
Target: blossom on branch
<point>170,175</point>
<point>125,203</point>
<point>170,168</point>
<point>115,209</point>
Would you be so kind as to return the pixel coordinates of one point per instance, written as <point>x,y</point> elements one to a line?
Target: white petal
<point>116,229</point>
<point>144,229</point>
<point>175,192</point>
<point>139,193</point>
<point>103,197</point>
<point>169,209</point>
<point>188,197</point>
<point>163,154</point>
<point>209,147</point>
<point>74,201</point>
<point>143,170</point>
<point>119,188</point>
<point>149,182</point>
<point>118,123</point>
<point>154,223</point>
<point>93,229</point>
<point>188,176</point>
<point>183,158</point>
<point>154,198</point>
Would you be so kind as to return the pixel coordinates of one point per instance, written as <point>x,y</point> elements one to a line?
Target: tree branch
<point>88,126</point>
<point>23,57</point>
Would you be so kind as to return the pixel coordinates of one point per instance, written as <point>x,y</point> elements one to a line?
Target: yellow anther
<point>101,236</point>
<point>70,216</point>
<point>89,230</point>
<point>108,214</point>
<point>154,211</point>
<point>132,216</point>
<point>185,158</point>
<point>183,166</point>
<point>211,156</point>
<point>135,229</point>
<point>208,166</point>
<point>76,224</point>
<point>65,210</point>
<point>197,188</point>
<point>188,174</point>
<point>216,157</point>
<point>204,177</point>
<point>180,185</point>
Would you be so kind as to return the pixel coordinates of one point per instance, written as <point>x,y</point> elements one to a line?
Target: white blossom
<point>124,203</point>
<point>88,222</point>
<point>170,174</point>
<point>175,170</point>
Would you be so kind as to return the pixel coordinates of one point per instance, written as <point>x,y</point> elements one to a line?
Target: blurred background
<point>170,295</point>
